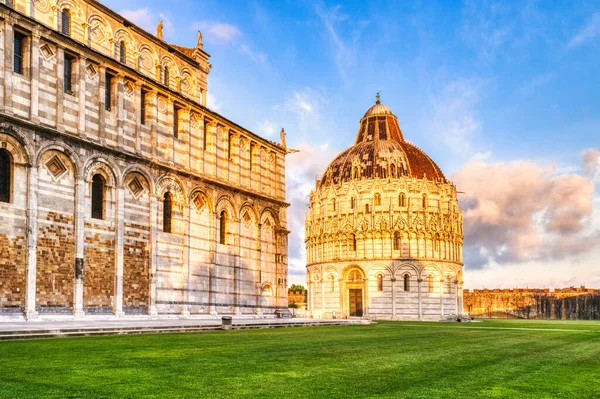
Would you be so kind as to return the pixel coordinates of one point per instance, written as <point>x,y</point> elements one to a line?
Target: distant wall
<point>560,304</point>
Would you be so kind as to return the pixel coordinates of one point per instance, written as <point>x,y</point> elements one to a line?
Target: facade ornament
<point>199,45</point>
<point>282,135</point>
<point>159,30</point>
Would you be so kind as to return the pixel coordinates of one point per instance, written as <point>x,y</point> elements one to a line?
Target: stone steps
<point>104,331</point>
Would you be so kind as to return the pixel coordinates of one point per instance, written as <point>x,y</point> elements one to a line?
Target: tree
<point>297,287</point>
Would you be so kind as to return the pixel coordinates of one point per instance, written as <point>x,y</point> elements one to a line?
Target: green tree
<point>297,287</point>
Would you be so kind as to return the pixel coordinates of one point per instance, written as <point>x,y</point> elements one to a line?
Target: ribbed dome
<point>380,151</point>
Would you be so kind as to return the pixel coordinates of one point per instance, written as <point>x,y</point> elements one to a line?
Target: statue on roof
<point>284,145</point>
<point>378,98</point>
<point>282,137</point>
<point>199,45</point>
<point>159,30</point>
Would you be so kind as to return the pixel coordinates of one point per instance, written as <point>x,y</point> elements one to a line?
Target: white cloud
<point>588,32</point>
<point>346,49</point>
<point>302,169</point>
<point>267,128</point>
<point>142,17</point>
<point>148,20</point>
<point>212,103</point>
<point>591,162</point>
<point>453,116</point>
<point>576,270</point>
<point>520,212</point>
<point>258,57</point>
<point>218,31</point>
<point>535,84</point>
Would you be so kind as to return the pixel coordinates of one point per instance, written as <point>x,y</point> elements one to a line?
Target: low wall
<point>559,304</point>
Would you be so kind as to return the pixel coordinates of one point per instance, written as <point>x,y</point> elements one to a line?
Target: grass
<point>492,359</point>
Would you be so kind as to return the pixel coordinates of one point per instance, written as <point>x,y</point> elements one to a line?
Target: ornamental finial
<point>159,30</point>
<point>378,98</point>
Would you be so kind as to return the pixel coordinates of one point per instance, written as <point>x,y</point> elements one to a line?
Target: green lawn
<point>491,359</point>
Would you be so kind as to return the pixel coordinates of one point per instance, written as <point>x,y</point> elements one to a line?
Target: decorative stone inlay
<point>42,6</point>
<point>47,51</point>
<point>97,33</point>
<point>199,203</point>
<point>129,88</point>
<point>247,218</point>
<point>162,104</point>
<point>136,187</point>
<point>56,167</point>
<point>91,69</point>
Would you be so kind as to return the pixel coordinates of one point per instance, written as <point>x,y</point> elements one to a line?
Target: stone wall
<point>55,258</point>
<point>563,304</point>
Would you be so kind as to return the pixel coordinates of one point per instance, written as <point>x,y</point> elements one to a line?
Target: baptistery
<point>384,230</point>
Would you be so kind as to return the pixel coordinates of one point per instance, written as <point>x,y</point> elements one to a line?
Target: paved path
<point>73,328</point>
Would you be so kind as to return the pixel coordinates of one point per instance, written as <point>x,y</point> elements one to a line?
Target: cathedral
<point>121,193</point>
<point>384,231</point>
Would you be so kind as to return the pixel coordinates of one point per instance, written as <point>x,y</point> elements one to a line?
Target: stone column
<point>119,251</point>
<point>80,209</point>
<point>366,299</point>
<point>258,264</point>
<point>60,92</point>
<point>393,280</point>
<point>442,298</point>
<point>185,310</point>
<point>101,102</point>
<point>322,281</point>
<point>138,115</point>
<point>82,72</point>
<point>34,76</point>
<point>236,267</point>
<point>211,270</point>
<point>9,36</point>
<point>419,281</point>
<point>308,297</point>
<point>153,264</point>
<point>120,109</point>
<point>55,18</point>
<point>32,234</point>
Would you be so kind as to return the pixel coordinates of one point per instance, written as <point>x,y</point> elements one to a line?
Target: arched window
<point>223,228</point>
<point>402,199</point>
<point>352,242</point>
<point>406,282</point>
<point>397,241</point>
<point>167,212</point>
<point>380,282</point>
<point>355,173</point>
<point>377,199</point>
<point>393,171</point>
<point>5,176</point>
<point>333,204</point>
<point>66,22</point>
<point>166,76</point>
<point>448,285</point>
<point>352,202</point>
<point>430,286</point>
<point>366,208</point>
<point>332,278</point>
<point>122,52</point>
<point>98,189</point>
<point>424,201</point>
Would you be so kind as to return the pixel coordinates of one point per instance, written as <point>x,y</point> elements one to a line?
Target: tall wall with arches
<point>120,192</point>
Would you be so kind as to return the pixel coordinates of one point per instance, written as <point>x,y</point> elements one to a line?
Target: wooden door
<point>356,308</point>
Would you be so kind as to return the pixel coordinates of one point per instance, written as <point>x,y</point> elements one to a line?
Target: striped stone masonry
<point>127,195</point>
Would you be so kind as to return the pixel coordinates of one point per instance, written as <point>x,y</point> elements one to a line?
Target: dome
<point>380,151</point>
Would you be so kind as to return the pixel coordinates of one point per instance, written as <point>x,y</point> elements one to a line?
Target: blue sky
<point>509,88</point>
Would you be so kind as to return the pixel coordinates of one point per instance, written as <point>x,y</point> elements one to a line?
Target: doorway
<point>356,303</point>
